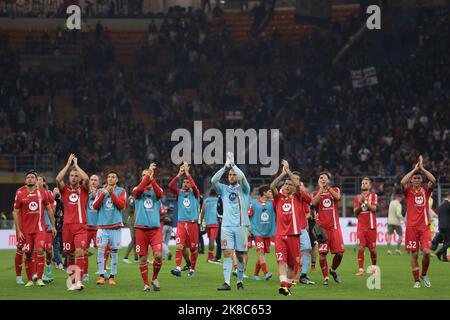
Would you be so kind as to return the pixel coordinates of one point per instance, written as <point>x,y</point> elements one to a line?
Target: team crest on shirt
<point>419,200</point>
<point>33,206</point>
<point>264,216</point>
<point>287,207</point>
<point>109,204</point>
<point>148,203</point>
<point>326,203</point>
<point>232,196</point>
<point>73,197</point>
<point>186,202</point>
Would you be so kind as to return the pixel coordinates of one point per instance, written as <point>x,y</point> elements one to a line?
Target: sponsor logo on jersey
<point>419,200</point>
<point>287,207</point>
<point>326,203</point>
<point>148,203</point>
<point>73,197</point>
<point>264,216</point>
<point>33,205</point>
<point>232,196</point>
<point>109,204</point>
<point>186,202</point>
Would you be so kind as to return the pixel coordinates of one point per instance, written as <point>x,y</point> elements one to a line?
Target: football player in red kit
<point>290,219</point>
<point>365,208</point>
<point>418,233</point>
<point>74,197</point>
<point>326,201</point>
<point>30,226</point>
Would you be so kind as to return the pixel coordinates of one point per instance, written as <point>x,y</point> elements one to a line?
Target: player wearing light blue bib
<point>91,222</point>
<point>263,228</point>
<point>209,214</point>
<point>110,202</point>
<point>235,221</point>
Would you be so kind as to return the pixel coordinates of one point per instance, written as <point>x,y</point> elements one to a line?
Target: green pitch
<point>396,282</point>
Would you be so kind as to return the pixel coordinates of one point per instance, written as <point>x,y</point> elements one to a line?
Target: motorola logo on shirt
<point>148,203</point>
<point>33,206</point>
<point>326,203</point>
<point>419,200</point>
<point>264,216</point>
<point>232,196</point>
<point>109,204</point>
<point>287,207</point>
<point>186,202</point>
<point>73,197</point>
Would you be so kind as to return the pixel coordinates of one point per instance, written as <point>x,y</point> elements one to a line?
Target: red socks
<point>415,273</point>
<point>373,256</point>
<point>257,268</point>
<point>264,268</point>
<point>194,255</point>
<point>361,258</point>
<point>336,261</point>
<point>210,255</point>
<point>80,264</point>
<point>156,267</point>
<point>425,264</point>
<point>144,272</point>
<point>324,266</point>
<point>29,268</point>
<point>18,262</point>
<point>286,284</point>
<point>40,265</point>
<point>178,258</point>
<point>86,264</point>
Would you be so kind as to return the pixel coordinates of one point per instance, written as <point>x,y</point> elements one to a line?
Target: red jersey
<point>328,210</point>
<point>74,203</point>
<point>31,206</point>
<point>367,219</point>
<point>290,215</point>
<point>417,206</point>
<point>306,202</point>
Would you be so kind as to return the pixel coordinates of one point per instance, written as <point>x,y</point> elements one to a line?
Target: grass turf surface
<point>396,282</point>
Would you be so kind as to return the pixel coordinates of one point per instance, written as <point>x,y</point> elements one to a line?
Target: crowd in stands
<point>324,122</point>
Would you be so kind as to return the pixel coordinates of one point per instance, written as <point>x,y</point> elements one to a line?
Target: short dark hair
<point>325,173</point>
<point>263,189</point>
<point>367,178</point>
<point>112,171</point>
<point>32,171</point>
<point>297,173</point>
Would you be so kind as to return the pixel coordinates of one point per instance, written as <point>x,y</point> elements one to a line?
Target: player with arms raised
<point>234,230</point>
<point>28,212</point>
<point>147,224</point>
<point>418,234</point>
<point>326,201</point>
<point>290,220</point>
<point>365,208</point>
<point>74,197</point>
<point>187,227</point>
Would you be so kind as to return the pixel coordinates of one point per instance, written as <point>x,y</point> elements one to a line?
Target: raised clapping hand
<point>151,170</point>
<point>230,159</point>
<point>71,158</point>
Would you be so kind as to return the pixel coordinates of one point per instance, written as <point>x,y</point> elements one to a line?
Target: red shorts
<point>91,237</point>
<point>74,237</point>
<point>367,238</point>
<point>148,237</point>
<point>34,241</point>
<point>19,243</point>
<point>48,241</point>
<point>334,243</point>
<point>262,244</point>
<point>417,237</point>
<point>287,249</point>
<point>187,234</point>
<point>212,232</point>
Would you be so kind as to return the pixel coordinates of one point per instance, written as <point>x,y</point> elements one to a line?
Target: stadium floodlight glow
<point>257,147</point>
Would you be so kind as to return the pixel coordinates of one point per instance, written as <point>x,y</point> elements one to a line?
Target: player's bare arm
<point>335,194</point>
<point>16,213</point>
<point>60,177</point>
<point>296,183</point>
<point>405,180</point>
<point>428,174</point>
<point>315,200</point>
<point>274,184</point>
<point>83,175</point>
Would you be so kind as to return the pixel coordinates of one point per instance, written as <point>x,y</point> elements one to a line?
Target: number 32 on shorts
<point>411,245</point>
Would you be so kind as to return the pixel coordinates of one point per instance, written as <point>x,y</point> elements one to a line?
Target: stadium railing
<point>18,164</point>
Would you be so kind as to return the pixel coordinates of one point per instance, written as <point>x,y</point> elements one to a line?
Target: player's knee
<point>227,253</point>
<point>79,252</point>
<point>179,247</point>
<point>158,257</point>
<point>426,252</point>
<point>143,259</point>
